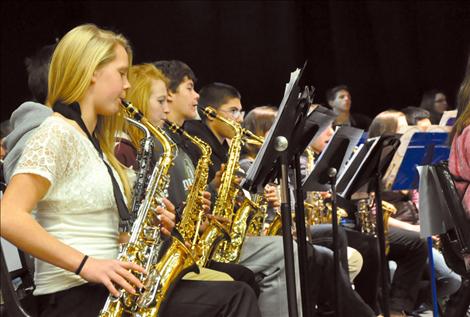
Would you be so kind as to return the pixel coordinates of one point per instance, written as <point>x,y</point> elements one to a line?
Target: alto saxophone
<point>193,212</point>
<point>210,241</point>
<point>144,158</point>
<point>165,259</point>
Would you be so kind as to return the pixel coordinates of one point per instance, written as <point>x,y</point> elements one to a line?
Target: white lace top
<point>79,208</point>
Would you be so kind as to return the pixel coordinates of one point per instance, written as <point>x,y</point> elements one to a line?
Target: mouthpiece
<point>131,110</point>
<point>208,111</point>
<point>173,126</point>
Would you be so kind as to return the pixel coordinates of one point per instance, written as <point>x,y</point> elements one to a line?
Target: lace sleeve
<point>48,151</point>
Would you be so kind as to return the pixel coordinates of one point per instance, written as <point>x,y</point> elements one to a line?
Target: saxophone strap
<point>73,112</point>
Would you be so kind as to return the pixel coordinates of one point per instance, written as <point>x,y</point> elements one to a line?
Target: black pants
<point>237,272</point>
<point>366,282</point>
<point>350,302</point>
<point>189,299</point>
<point>409,251</point>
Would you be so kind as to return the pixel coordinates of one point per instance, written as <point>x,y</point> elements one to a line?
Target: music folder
<point>416,149</point>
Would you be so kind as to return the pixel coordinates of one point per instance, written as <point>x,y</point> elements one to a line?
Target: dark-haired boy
<point>339,98</point>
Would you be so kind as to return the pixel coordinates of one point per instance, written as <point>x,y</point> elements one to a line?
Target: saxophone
<point>193,212</point>
<point>257,224</point>
<point>165,260</point>
<point>210,241</point>
<point>366,218</point>
<point>144,157</point>
<point>318,211</point>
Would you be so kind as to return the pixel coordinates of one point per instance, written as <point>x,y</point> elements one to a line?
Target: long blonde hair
<point>77,56</point>
<point>140,77</point>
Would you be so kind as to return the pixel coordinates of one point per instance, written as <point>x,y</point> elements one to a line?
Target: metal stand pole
<point>381,236</point>
<point>281,146</point>
<point>334,210</point>
<point>305,278</point>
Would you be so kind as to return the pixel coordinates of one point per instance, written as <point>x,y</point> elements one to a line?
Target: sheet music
<point>251,173</point>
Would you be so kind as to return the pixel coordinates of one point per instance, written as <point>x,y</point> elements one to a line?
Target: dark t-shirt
<point>181,173</point>
<point>219,151</point>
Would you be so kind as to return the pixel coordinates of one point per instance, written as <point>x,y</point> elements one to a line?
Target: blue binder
<point>424,148</point>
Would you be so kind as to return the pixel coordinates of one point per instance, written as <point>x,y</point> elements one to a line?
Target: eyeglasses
<point>235,113</point>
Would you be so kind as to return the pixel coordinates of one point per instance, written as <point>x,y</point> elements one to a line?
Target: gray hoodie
<point>24,122</point>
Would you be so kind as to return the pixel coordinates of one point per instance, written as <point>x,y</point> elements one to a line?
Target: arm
<point>16,220</point>
<point>392,222</point>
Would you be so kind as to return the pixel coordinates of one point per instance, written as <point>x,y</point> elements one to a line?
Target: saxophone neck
<point>158,133</point>
<point>251,138</point>
<point>205,149</point>
<point>210,112</point>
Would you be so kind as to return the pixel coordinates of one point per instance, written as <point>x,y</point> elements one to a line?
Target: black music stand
<point>272,158</point>
<point>323,178</point>
<point>309,125</point>
<point>367,167</point>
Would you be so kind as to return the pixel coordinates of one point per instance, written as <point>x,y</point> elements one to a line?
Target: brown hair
<point>259,120</point>
<point>385,122</point>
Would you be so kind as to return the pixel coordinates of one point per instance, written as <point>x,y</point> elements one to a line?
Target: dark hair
<point>331,93</point>
<point>384,123</point>
<point>176,71</point>
<point>37,67</point>
<point>463,105</point>
<point>415,114</point>
<point>215,95</point>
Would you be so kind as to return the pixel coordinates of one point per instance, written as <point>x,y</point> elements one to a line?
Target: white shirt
<point>79,208</point>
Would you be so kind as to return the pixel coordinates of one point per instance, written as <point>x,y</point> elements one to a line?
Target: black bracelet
<point>80,267</point>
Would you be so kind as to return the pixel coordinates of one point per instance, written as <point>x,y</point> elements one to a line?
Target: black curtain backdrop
<point>388,53</point>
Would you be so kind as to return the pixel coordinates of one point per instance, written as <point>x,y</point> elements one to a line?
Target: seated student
<point>182,100</point>
<point>366,282</point>
<point>148,93</point>
<point>74,185</point>
<point>406,203</point>
<point>406,246</point>
<point>460,136</point>
<point>339,98</point>
<point>435,102</point>
<point>459,160</point>
<point>259,120</point>
<point>226,100</point>
<point>29,115</point>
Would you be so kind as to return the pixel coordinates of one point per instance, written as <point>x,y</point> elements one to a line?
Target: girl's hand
<point>112,273</point>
